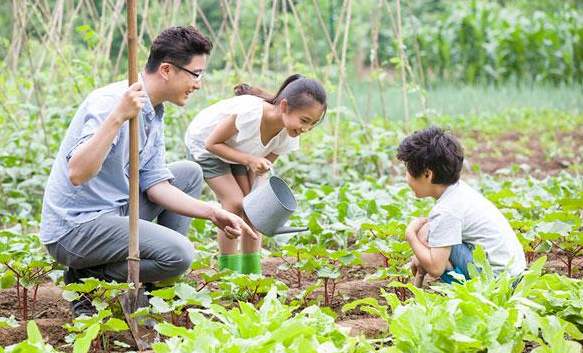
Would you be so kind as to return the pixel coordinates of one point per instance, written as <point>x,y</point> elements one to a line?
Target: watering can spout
<point>285,230</point>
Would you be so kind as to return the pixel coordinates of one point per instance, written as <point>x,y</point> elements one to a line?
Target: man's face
<point>182,83</point>
<point>421,185</point>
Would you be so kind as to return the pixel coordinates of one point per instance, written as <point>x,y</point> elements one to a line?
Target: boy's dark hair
<point>298,90</point>
<point>432,149</point>
<point>177,45</point>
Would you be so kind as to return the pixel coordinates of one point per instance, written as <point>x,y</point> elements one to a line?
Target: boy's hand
<point>414,227</point>
<point>259,165</point>
<point>131,102</point>
<point>231,224</point>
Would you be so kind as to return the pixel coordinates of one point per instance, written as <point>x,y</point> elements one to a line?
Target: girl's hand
<point>131,102</point>
<point>259,165</point>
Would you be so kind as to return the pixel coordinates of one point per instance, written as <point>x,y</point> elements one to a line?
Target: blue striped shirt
<point>66,206</point>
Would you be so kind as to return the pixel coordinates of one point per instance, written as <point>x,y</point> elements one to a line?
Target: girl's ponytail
<point>244,88</point>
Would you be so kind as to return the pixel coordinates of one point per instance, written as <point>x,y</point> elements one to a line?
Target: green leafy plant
<point>271,328</point>
<point>23,264</point>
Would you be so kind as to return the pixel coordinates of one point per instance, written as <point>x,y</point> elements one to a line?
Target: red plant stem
<point>385,259</point>
<point>299,272</point>
<point>34,299</point>
<point>19,300</point>
<point>299,279</point>
<point>25,306</point>
<point>204,285</point>
<point>333,289</point>
<point>325,291</point>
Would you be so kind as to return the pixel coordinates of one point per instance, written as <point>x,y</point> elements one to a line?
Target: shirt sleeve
<point>248,121</point>
<point>444,230</point>
<point>289,144</point>
<point>154,170</point>
<point>96,111</point>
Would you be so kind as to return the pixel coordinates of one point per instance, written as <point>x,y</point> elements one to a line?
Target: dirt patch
<point>371,327</point>
<point>49,304</point>
<point>495,153</point>
<point>52,311</point>
<point>51,330</point>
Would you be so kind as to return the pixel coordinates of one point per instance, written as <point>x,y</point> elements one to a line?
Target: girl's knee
<point>234,205</point>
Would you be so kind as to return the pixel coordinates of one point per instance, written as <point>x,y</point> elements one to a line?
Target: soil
<point>495,155</point>
<point>52,311</point>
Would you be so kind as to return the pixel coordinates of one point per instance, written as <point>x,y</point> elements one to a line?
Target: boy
<point>461,219</point>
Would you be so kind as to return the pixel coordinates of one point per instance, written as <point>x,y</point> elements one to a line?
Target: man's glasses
<point>196,75</point>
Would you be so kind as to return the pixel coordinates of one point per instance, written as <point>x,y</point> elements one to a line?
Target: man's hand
<point>131,102</point>
<point>414,227</point>
<point>259,165</point>
<point>231,224</point>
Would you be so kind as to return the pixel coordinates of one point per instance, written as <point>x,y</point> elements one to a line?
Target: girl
<point>240,138</point>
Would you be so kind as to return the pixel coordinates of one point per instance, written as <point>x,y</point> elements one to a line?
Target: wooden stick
<point>134,249</point>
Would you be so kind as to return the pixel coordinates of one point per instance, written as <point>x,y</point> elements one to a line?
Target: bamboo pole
<point>267,44</point>
<point>302,35</point>
<point>342,69</point>
<point>403,68</point>
<point>249,58</point>
<point>286,31</point>
<point>134,250</point>
<point>335,55</point>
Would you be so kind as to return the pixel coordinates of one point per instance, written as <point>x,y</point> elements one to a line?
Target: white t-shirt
<point>249,110</point>
<point>463,214</point>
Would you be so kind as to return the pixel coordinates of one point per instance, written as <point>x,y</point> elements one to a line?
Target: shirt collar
<point>449,190</point>
<point>149,111</point>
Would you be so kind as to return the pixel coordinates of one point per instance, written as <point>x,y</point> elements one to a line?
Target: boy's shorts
<point>214,167</point>
<point>461,255</point>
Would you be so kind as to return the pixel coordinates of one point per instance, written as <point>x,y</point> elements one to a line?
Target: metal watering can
<point>269,205</point>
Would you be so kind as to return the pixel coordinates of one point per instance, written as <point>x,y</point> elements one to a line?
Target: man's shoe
<point>81,306</point>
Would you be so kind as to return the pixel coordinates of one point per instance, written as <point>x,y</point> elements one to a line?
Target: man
<point>85,207</point>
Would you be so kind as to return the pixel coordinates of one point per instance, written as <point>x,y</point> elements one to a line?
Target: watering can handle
<point>271,169</point>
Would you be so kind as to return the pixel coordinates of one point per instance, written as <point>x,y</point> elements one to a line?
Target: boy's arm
<point>433,260</point>
<point>87,160</point>
<point>175,200</point>
<point>215,144</point>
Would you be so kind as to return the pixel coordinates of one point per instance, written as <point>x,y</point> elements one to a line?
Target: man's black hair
<point>177,45</point>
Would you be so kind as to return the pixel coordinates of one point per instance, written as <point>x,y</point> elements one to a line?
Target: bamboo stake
<point>302,35</point>
<point>134,250</point>
<point>286,31</point>
<point>251,52</point>
<point>336,58</point>
<point>403,64</point>
<point>342,69</point>
<point>267,45</point>
<point>133,258</point>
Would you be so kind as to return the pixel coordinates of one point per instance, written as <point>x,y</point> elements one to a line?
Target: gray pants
<point>101,245</point>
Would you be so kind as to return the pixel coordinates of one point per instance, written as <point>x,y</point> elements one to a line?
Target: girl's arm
<point>215,144</point>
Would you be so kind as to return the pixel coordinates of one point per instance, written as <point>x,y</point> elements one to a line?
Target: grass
<point>453,99</point>
<point>463,99</point>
